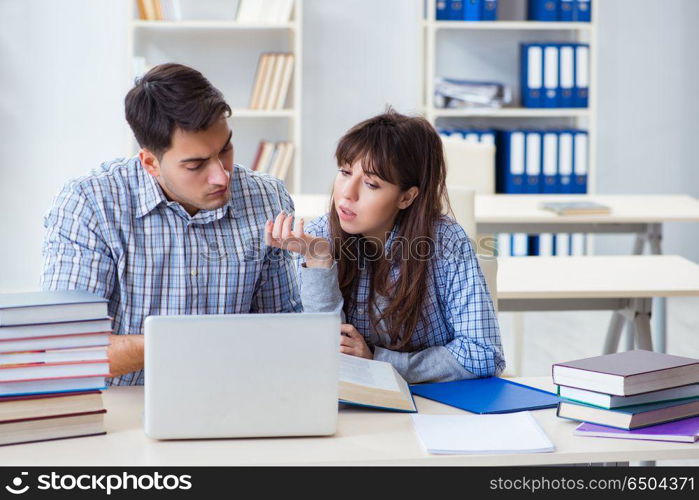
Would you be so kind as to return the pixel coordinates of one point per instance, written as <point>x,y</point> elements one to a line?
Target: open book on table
<point>376,384</point>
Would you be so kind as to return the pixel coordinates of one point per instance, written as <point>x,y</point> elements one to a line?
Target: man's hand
<point>279,233</point>
<point>125,354</point>
<point>352,342</point>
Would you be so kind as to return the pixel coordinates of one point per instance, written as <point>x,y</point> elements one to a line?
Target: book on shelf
<point>49,405</point>
<point>274,158</point>
<point>576,208</point>
<point>49,307</point>
<point>46,429</point>
<point>286,161</point>
<point>627,373</point>
<point>375,384</point>
<point>630,417</point>
<point>159,10</point>
<point>272,81</point>
<point>683,431</point>
<point>610,401</point>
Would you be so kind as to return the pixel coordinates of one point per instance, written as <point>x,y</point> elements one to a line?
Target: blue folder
<point>487,395</point>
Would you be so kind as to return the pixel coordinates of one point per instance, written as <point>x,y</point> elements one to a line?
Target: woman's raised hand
<point>280,234</point>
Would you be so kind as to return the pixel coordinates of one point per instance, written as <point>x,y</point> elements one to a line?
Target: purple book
<point>685,430</point>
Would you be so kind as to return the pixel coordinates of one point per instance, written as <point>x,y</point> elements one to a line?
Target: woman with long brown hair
<point>402,272</point>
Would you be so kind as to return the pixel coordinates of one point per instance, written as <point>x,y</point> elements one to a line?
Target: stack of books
<point>635,395</point>
<point>274,158</point>
<point>272,81</point>
<point>53,364</point>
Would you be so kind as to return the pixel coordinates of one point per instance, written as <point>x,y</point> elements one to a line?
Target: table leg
<point>655,237</point>
<point>638,246</point>
<point>641,309</point>
<point>616,325</point>
<point>630,337</point>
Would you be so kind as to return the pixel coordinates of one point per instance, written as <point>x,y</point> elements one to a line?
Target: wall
<point>63,81</point>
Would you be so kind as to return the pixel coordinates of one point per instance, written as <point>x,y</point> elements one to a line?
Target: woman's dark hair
<point>171,96</point>
<point>405,151</point>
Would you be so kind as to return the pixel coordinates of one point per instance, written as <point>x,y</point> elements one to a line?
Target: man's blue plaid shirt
<point>115,233</point>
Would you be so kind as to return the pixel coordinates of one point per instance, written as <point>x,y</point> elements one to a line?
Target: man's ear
<point>407,197</point>
<point>150,162</point>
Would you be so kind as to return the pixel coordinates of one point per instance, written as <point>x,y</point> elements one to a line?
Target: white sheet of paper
<point>367,372</point>
<point>481,434</point>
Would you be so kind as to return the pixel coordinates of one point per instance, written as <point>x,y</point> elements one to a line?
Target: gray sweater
<point>320,292</point>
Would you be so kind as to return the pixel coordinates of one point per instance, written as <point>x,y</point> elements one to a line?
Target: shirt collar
<point>150,195</point>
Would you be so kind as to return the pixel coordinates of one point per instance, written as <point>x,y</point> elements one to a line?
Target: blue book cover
<point>510,173</point>
<point>565,161</point>
<point>567,10</point>
<point>583,11</point>
<point>456,10</point>
<point>472,10</point>
<point>582,75</point>
<point>549,162</point>
<point>532,152</point>
<point>487,395</point>
<point>531,64</point>
<point>442,13</point>
<point>580,162</point>
<point>566,75</point>
<point>552,88</point>
<point>489,10</point>
<point>542,10</point>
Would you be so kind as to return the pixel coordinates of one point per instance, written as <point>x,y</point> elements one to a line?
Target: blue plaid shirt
<point>114,233</point>
<point>458,311</point>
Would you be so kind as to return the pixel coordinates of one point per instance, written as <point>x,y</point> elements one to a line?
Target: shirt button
<point>194,272</point>
<point>360,310</point>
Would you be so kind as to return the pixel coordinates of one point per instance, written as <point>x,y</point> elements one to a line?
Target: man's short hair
<point>171,96</point>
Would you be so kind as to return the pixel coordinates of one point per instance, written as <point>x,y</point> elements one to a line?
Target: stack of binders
<point>466,10</point>
<point>554,75</point>
<point>559,10</point>
<point>541,162</point>
<point>617,393</point>
<point>53,364</point>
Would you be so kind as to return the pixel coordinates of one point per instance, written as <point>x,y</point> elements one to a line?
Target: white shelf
<point>509,25</point>
<point>143,34</point>
<point>511,112</point>
<point>263,113</point>
<point>206,25</point>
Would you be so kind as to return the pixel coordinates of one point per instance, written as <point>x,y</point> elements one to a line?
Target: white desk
<point>625,284</point>
<point>364,437</point>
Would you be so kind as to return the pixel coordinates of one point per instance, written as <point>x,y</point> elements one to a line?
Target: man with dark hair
<point>178,229</point>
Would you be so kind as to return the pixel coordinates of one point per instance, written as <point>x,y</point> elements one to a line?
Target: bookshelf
<point>489,50</point>
<point>227,52</point>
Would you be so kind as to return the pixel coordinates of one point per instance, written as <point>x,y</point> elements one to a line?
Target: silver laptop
<point>241,375</point>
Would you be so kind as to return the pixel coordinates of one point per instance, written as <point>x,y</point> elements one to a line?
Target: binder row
<point>559,10</point>
<point>542,161</point>
<point>484,136</point>
<point>542,245</point>
<point>554,75</point>
<point>467,10</point>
